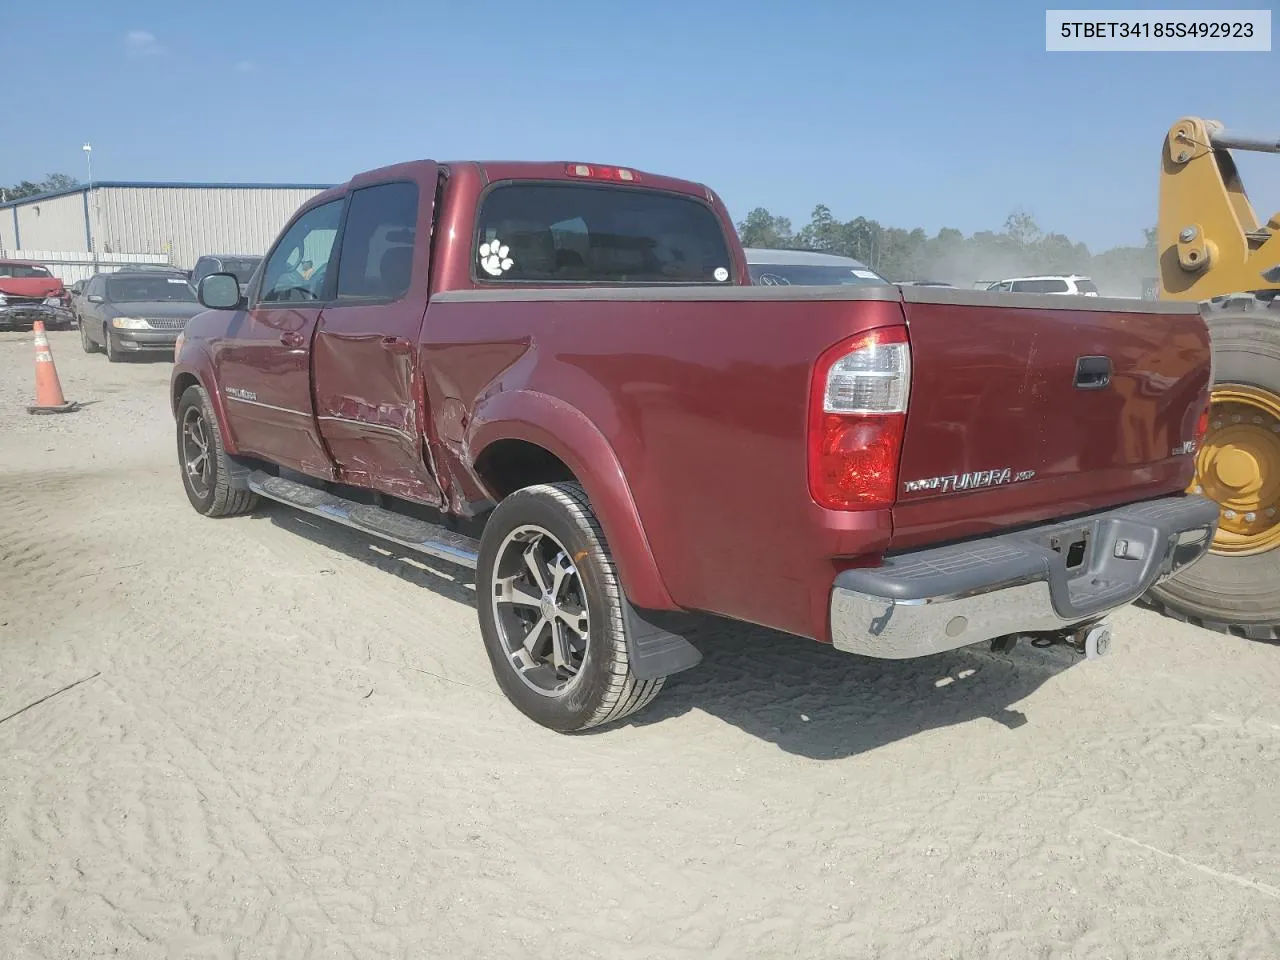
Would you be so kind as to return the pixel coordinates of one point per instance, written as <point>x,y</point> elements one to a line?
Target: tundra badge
<point>969,481</point>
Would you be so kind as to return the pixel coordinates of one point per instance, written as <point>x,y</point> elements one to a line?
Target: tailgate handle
<point>1093,373</point>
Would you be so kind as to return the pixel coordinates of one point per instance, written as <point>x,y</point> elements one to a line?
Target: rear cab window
<point>592,234</point>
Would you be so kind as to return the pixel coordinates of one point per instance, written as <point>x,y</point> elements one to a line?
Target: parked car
<point>75,297</point>
<point>131,312</point>
<point>563,377</point>
<point>805,268</point>
<point>241,265</point>
<point>1071,285</point>
<point>30,292</point>
<point>163,268</point>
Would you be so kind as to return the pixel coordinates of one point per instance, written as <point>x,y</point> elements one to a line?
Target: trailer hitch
<point>1092,640</point>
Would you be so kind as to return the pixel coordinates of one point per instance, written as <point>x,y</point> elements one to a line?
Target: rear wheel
<point>1236,587</point>
<point>551,612</point>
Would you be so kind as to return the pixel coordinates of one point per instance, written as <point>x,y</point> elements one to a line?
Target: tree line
<point>1020,249</point>
<point>31,188</point>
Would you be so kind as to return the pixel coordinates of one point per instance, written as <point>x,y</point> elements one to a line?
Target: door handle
<point>397,346</point>
<point>1092,373</point>
<point>291,339</point>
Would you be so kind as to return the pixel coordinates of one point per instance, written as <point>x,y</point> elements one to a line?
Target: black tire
<point>211,494</point>
<point>1235,594</point>
<point>604,689</point>
<point>112,346</point>
<point>86,342</point>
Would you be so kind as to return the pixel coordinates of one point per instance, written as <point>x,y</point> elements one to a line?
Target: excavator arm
<point>1210,240</point>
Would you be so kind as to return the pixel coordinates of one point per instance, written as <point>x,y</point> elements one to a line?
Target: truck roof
<point>494,170</point>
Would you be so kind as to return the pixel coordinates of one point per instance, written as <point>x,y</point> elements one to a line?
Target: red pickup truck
<point>561,376</point>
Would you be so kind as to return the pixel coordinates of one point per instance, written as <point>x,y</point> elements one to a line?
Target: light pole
<point>93,241</point>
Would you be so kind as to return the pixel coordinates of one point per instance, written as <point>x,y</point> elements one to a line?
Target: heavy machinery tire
<point>206,471</point>
<point>1236,588</point>
<point>550,609</point>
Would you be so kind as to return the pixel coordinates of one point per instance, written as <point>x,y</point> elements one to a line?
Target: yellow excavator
<point>1213,249</point>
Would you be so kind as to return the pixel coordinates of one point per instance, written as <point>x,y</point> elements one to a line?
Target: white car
<point>1068,285</point>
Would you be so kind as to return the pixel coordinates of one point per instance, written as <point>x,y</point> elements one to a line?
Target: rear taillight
<point>857,417</point>
<point>1202,427</point>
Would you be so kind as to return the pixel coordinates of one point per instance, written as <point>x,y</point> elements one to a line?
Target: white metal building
<point>180,220</point>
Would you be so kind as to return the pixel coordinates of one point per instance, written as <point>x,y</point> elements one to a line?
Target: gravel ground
<point>267,736</point>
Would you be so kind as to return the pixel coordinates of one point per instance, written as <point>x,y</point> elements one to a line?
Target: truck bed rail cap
<point>1044,301</point>
<point>709,293</point>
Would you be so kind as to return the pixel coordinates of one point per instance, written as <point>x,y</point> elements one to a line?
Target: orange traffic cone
<point>49,398</point>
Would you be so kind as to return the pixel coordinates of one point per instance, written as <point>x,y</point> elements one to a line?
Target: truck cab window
<point>568,232</point>
<point>298,266</point>
<point>378,242</point>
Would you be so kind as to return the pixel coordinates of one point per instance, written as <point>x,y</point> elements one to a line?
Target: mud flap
<point>238,471</point>
<point>656,644</point>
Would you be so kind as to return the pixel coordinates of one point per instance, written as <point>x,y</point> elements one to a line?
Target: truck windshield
<point>23,271</point>
<point>149,289</point>
<point>242,267</point>
<point>592,234</point>
<point>810,275</point>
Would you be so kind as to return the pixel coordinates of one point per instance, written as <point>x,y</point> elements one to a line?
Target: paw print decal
<point>493,257</point>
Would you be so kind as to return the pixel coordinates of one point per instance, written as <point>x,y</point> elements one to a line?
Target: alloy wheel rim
<point>196,460</point>
<point>540,610</point>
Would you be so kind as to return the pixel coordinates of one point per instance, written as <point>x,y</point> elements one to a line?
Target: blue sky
<point>925,114</point>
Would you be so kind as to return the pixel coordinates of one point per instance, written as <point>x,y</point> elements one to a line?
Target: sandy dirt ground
<point>274,738</point>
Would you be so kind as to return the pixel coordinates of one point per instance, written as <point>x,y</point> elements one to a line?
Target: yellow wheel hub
<point>1239,466</point>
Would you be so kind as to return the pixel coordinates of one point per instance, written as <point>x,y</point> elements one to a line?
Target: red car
<point>29,292</point>
<point>561,376</point>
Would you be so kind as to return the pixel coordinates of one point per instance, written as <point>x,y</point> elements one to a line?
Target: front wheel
<point>85,342</point>
<point>112,346</point>
<point>550,609</point>
<point>206,470</point>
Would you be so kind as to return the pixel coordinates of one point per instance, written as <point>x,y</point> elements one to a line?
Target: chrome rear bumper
<point>1041,579</point>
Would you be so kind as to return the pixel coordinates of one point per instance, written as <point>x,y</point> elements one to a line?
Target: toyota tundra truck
<point>561,376</point>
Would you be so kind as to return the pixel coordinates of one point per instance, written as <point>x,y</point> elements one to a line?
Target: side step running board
<point>418,535</point>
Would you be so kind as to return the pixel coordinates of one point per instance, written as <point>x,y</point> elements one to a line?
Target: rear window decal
<point>493,257</point>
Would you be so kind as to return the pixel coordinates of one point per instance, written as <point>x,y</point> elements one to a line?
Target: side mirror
<point>220,291</point>
<point>96,298</point>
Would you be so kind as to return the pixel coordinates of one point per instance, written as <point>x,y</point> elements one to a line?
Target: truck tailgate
<point>1013,419</point>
